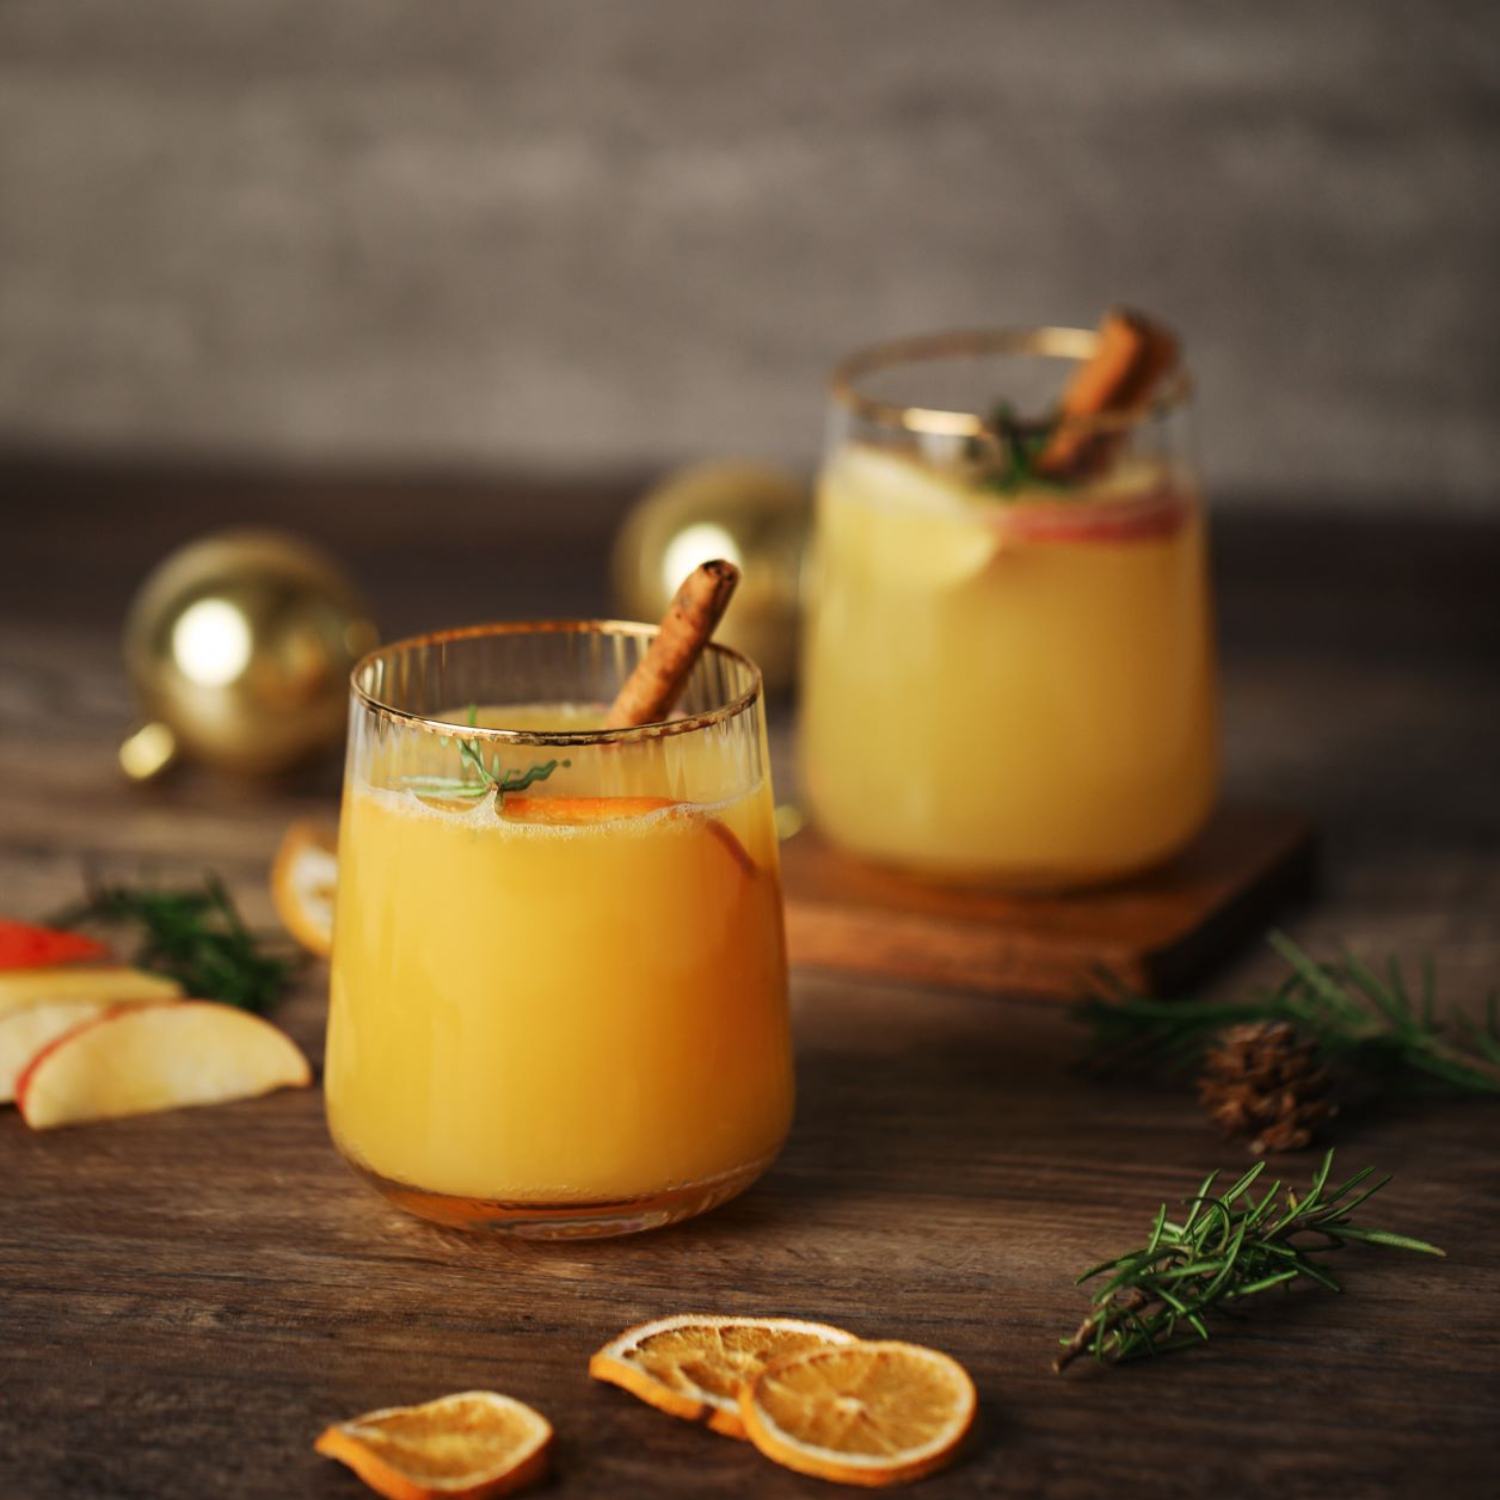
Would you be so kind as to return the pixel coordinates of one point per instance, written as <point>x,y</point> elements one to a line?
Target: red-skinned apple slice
<point>23,1034</point>
<point>1138,518</point>
<point>103,984</point>
<point>142,1058</point>
<point>1127,518</point>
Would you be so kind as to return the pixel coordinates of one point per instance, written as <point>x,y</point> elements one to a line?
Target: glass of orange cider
<point>1008,668</point>
<point>559,988</point>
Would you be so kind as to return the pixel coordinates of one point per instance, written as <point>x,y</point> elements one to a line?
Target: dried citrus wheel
<point>695,1365</point>
<point>303,880</point>
<point>461,1447</point>
<point>862,1413</point>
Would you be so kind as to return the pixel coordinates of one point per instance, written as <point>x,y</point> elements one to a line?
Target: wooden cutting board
<point>1158,933</point>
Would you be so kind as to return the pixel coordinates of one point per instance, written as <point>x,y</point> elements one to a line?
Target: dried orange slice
<point>304,878</point>
<point>694,1365</point>
<point>862,1413</point>
<point>462,1447</point>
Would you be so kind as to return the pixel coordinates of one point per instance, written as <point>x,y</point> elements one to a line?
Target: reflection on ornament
<point>694,545</point>
<point>211,642</point>
<point>148,752</point>
<point>239,648</point>
<point>751,514</point>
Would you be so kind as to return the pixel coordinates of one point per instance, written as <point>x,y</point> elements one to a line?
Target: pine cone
<point>1264,1082</point>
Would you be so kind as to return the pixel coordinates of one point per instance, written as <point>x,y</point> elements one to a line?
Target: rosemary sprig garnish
<point>479,779</point>
<point>196,937</point>
<point>1228,1246</point>
<point>1384,1024</point>
<point>506,781</point>
<point>1019,444</point>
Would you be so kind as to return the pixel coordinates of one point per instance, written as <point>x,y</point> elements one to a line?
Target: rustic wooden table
<point>185,1300</point>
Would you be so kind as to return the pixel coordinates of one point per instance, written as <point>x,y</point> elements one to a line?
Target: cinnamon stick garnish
<point>660,675</point>
<point>1133,355</point>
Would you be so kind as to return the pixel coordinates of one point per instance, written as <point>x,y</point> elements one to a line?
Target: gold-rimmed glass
<point>558,999</point>
<point>1005,677</point>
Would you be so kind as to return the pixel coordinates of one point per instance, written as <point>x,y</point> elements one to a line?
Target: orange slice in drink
<point>694,1366</point>
<point>303,881</point>
<point>462,1447</point>
<point>575,812</point>
<point>578,812</point>
<point>863,1413</point>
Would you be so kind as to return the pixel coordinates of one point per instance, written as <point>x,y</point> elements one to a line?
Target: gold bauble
<point>239,648</point>
<point>752,514</point>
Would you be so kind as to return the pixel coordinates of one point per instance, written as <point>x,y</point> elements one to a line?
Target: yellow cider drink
<point>1009,684</point>
<point>562,1008</point>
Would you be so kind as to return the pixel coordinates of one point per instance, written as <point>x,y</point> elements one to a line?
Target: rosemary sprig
<point>1377,1023</point>
<point>472,760</point>
<point>1019,444</point>
<point>196,937</point>
<point>508,781</point>
<point>484,778</point>
<point>1228,1246</point>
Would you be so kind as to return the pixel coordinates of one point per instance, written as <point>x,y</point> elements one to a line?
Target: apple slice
<point>1131,518</point>
<point>101,983</point>
<point>136,1059</point>
<point>23,1034</point>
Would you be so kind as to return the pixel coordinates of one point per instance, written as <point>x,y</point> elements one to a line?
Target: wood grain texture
<point>185,1300</point>
<point>1157,933</point>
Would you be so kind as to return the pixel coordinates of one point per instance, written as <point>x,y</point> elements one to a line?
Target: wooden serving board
<point>1157,933</point>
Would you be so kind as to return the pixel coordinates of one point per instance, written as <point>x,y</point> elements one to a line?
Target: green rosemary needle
<point>1020,444</point>
<point>1376,1023</point>
<point>479,779</point>
<point>1228,1246</point>
<point>196,937</point>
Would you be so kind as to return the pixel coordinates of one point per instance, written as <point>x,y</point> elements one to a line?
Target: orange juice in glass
<point>1007,676</point>
<point>558,998</point>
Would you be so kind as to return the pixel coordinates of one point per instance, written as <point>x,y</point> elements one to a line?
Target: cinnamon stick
<point>1133,356</point>
<point>660,675</point>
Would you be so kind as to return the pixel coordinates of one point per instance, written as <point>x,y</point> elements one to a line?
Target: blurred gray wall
<point>576,234</point>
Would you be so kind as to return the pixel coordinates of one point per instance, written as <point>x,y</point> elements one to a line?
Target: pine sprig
<point>1227,1247</point>
<point>1379,1024</point>
<point>196,937</point>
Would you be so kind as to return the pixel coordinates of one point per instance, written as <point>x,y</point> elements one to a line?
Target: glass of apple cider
<point>1007,676</point>
<point>559,992</point>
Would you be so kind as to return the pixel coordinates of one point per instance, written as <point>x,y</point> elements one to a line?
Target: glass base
<point>569,1220</point>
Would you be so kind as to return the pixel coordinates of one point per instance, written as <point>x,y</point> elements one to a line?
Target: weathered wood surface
<point>1157,933</point>
<point>186,1299</point>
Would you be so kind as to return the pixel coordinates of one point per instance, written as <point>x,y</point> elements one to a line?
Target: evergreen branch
<point>1344,1007</point>
<point>1228,1247</point>
<point>196,937</point>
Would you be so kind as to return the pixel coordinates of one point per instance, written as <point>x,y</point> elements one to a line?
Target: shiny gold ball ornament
<point>239,648</point>
<point>754,515</point>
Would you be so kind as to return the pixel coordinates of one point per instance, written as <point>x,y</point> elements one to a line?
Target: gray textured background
<point>581,234</point>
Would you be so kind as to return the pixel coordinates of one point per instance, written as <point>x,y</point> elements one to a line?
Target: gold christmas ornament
<point>239,648</point>
<point>751,514</point>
